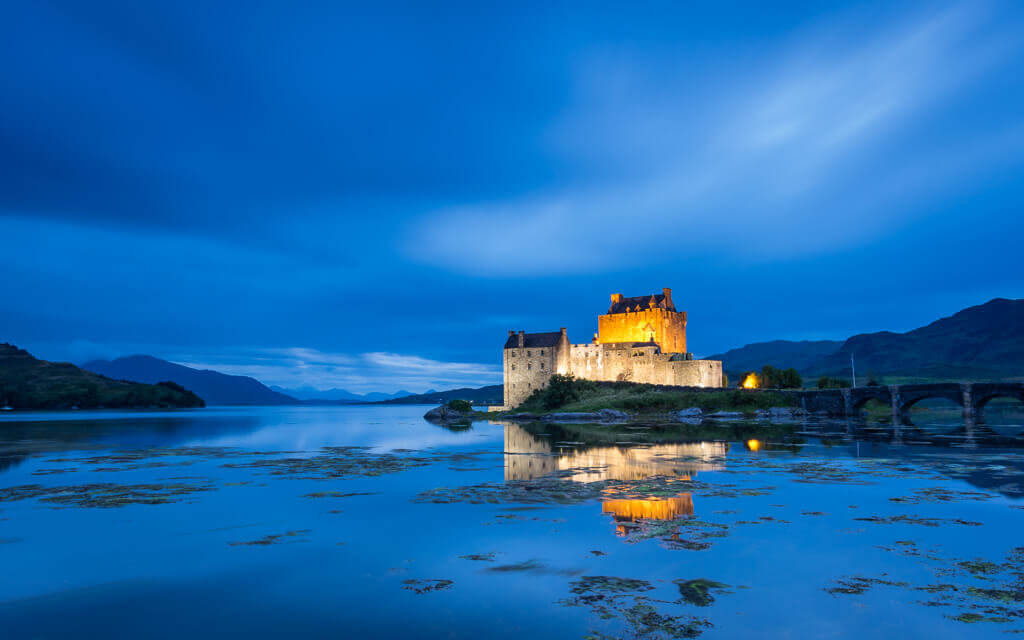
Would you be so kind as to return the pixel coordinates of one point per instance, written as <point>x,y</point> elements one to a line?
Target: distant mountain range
<point>491,394</point>
<point>984,342</point>
<point>312,394</point>
<point>212,386</point>
<point>29,383</point>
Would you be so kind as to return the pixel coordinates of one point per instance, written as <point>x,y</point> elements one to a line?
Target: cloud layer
<point>820,145</point>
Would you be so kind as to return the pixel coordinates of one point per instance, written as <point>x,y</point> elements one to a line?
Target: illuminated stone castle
<point>641,339</point>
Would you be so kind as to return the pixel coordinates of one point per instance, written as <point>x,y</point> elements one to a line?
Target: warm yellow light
<point>754,445</point>
<point>751,381</point>
<point>658,509</point>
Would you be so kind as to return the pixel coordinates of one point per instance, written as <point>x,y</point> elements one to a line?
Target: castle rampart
<point>647,325</point>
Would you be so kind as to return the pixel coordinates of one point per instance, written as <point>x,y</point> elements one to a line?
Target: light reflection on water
<point>516,517</point>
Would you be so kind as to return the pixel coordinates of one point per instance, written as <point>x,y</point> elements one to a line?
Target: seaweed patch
<point>275,538</point>
<point>104,494</point>
<point>421,586</point>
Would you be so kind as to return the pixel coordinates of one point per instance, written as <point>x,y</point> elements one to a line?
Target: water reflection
<point>529,456</point>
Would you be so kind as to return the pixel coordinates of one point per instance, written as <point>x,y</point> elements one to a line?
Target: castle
<point>640,339</point>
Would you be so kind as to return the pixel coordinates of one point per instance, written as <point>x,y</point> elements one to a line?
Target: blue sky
<point>370,198</point>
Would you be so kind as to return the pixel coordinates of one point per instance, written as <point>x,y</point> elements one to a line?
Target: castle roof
<point>654,301</point>
<point>534,340</point>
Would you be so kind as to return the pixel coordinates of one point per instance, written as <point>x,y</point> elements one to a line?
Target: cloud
<point>360,373</point>
<point>807,151</point>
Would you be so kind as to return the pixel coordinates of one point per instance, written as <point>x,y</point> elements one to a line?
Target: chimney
<point>511,333</point>
<point>564,331</point>
<point>668,298</point>
<point>616,298</point>
<point>522,339</point>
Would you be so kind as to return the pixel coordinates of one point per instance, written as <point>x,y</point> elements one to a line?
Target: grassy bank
<point>565,393</point>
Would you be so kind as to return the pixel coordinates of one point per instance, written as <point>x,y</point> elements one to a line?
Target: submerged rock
<point>521,416</point>
<point>444,413</point>
<point>571,417</point>
<point>612,415</point>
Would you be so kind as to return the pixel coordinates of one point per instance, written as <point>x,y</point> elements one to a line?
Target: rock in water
<point>445,413</point>
<point>611,415</point>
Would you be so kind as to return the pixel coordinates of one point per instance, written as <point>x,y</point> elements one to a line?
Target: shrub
<point>462,406</point>
<point>825,382</point>
<point>773,378</point>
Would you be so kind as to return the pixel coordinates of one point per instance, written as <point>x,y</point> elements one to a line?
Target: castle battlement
<point>640,339</point>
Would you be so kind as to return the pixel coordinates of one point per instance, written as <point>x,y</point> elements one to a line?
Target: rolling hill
<point>212,386</point>
<point>491,394</point>
<point>29,383</point>
<point>984,342</point>
<point>312,394</point>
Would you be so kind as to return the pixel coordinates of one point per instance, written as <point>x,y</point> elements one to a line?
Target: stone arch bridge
<point>971,396</point>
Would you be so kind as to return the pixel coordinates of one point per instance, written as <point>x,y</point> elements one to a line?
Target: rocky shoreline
<point>693,415</point>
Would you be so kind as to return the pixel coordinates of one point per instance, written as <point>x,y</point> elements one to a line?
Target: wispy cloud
<point>360,373</point>
<point>810,149</point>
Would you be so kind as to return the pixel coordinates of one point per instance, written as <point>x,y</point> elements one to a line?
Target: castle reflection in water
<point>528,456</point>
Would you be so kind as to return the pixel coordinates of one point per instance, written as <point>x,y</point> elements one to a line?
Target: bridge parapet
<point>971,397</point>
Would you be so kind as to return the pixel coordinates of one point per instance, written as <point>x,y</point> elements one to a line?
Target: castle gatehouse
<point>640,339</point>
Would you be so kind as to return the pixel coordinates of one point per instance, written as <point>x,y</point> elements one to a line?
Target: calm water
<point>370,522</point>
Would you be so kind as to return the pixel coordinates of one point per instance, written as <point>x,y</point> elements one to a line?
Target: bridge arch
<point>906,405</point>
<point>863,395</point>
<point>981,401</point>
<point>912,394</point>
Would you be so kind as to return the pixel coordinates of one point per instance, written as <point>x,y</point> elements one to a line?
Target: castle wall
<point>623,362</point>
<point>527,369</point>
<point>667,327</point>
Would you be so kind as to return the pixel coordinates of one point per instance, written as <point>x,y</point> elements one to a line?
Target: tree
<point>825,382</point>
<point>561,390</point>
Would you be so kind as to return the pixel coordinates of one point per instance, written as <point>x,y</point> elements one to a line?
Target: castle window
<point>542,366</point>
<point>541,352</point>
<point>529,365</point>
<point>529,353</point>
<point>513,367</point>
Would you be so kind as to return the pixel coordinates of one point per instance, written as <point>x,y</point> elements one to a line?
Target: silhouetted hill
<point>984,342</point>
<point>29,383</point>
<point>212,386</point>
<point>778,353</point>
<point>312,394</point>
<point>492,394</point>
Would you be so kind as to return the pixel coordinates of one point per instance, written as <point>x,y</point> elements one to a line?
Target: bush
<point>561,390</point>
<point>825,382</point>
<point>462,406</point>
<point>773,378</point>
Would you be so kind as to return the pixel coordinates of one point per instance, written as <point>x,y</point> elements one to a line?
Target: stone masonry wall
<point>529,369</point>
<point>667,327</point>
<point>622,362</point>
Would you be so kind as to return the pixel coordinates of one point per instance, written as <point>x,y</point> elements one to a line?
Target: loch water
<point>360,521</point>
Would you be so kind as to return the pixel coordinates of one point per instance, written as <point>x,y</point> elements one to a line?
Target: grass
<point>570,395</point>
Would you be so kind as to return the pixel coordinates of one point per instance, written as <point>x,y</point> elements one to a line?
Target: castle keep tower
<point>644,319</point>
<point>640,339</point>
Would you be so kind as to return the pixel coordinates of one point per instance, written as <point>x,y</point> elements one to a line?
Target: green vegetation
<point>772,378</point>
<point>29,383</point>
<point>826,382</point>
<point>461,406</point>
<point>566,393</point>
